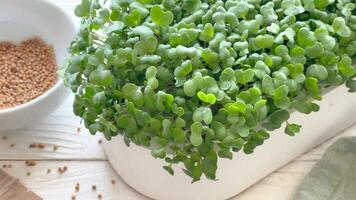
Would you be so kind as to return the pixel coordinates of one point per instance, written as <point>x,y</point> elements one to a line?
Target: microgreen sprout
<point>195,80</point>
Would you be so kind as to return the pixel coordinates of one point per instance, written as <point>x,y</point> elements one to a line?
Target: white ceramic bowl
<point>24,19</point>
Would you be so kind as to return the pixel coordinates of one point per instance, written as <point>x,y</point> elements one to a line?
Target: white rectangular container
<point>145,174</point>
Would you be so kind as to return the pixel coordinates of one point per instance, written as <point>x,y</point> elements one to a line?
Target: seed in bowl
<point>26,71</point>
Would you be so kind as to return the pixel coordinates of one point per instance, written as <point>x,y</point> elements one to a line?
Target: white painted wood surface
<point>87,165</point>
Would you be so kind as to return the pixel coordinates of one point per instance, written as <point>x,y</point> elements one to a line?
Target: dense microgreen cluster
<point>194,80</point>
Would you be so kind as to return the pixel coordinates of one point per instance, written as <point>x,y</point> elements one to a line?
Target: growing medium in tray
<point>195,80</point>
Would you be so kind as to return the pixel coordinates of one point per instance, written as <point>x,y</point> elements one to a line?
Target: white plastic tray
<point>145,174</point>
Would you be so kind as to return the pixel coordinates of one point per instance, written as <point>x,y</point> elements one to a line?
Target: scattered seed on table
<point>113,182</point>
<point>4,166</point>
<point>4,137</point>
<point>30,163</point>
<point>48,171</point>
<point>62,170</point>
<point>100,196</point>
<point>73,197</point>
<point>78,130</point>
<point>12,145</point>
<point>37,145</point>
<point>77,187</point>
<point>28,174</point>
<point>93,187</point>
<point>100,141</point>
<point>55,148</point>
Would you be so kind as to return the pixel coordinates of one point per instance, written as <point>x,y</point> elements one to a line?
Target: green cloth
<point>334,176</point>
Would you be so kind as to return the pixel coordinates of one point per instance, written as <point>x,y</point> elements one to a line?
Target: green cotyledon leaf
<point>209,165</point>
<point>83,9</point>
<point>133,19</point>
<point>103,78</point>
<point>264,41</point>
<point>244,76</point>
<point>292,129</point>
<point>207,34</point>
<point>133,93</point>
<point>317,71</point>
<point>146,46</point>
<point>196,134</point>
<point>160,17</point>
<point>280,97</point>
<point>292,7</point>
<point>340,27</point>
<point>203,114</point>
<point>345,66</point>
<point>311,85</point>
<point>207,98</point>
<point>276,119</point>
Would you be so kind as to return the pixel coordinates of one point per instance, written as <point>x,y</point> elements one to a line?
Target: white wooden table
<point>87,165</point>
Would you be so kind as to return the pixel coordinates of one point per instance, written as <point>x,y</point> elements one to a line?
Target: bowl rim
<point>59,83</point>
